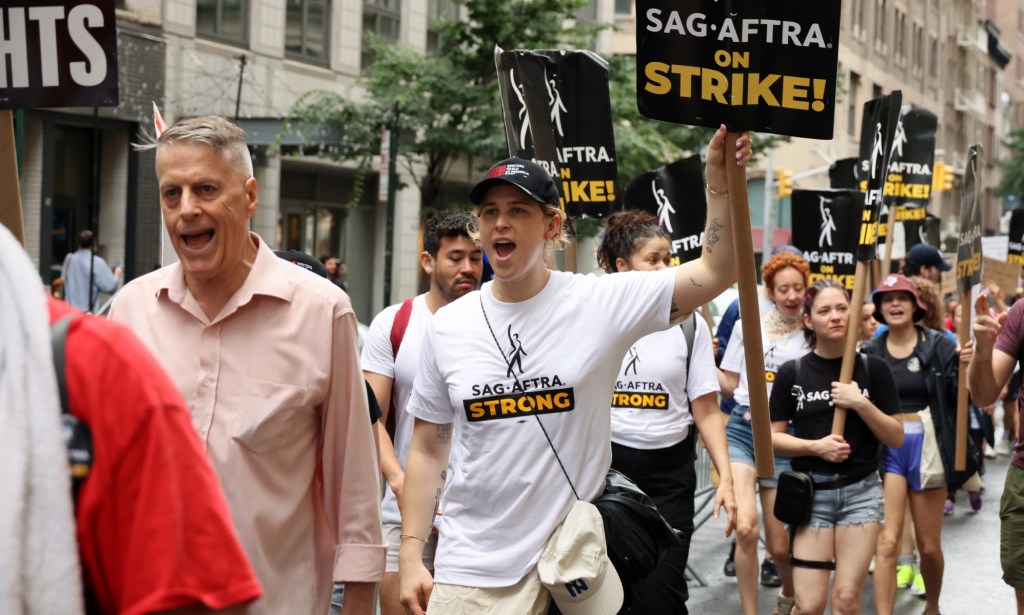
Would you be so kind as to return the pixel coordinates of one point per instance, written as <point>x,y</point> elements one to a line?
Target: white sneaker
<point>784,605</point>
<point>989,452</point>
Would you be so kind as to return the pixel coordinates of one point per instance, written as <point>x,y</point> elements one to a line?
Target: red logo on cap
<point>497,171</point>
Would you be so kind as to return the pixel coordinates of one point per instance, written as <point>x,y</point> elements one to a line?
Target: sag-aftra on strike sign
<point>58,54</point>
<point>748,64</point>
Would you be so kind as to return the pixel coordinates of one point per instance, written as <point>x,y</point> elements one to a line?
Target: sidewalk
<point>972,582</point>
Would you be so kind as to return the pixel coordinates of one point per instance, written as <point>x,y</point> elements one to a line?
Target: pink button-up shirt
<point>277,396</point>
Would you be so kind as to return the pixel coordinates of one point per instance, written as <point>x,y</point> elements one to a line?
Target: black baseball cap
<point>303,260</point>
<point>924,255</point>
<point>526,175</point>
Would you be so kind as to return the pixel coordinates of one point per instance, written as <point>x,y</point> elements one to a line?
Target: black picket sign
<point>968,245</point>
<point>825,224</point>
<point>1015,255</point>
<point>60,54</point>
<point>880,118</point>
<point>557,111</point>
<point>748,64</point>
<point>674,193</point>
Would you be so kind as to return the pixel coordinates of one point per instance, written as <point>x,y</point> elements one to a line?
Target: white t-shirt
<point>505,492</point>
<point>777,352</point>
<point>651,403</point>
<point>378,357</point>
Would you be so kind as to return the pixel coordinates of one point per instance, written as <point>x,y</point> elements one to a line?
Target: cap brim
<point>479,191</point>
<point>607,600</point>
<point>944,266</point>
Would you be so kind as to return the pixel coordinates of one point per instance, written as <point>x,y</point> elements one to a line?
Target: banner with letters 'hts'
<point>748,64</point>
<point>57,54</point>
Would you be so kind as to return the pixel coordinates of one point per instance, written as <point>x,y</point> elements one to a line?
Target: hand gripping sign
<point>751,65</point>
<point>968,275</point>
<point>883,115</point>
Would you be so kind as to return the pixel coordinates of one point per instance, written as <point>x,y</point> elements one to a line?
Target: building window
<point>382,18</point>
<point>880,25</point>
<point>223,19</point>
<point>438,11</point>
<point>933,57</point>
<point>307,29</point>
<point>857,15</point>
<point>587,13</point>
<point>917,53</point>
<point>624,7</point>
<point>900,35</point>
<point>852,110</point>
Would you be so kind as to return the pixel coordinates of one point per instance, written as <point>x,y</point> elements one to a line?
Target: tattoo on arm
<point>712,237</point>
<point>444,433</point>
<point>694,282</point>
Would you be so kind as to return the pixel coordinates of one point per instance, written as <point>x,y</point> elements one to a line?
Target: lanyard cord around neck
<point>508,364</point>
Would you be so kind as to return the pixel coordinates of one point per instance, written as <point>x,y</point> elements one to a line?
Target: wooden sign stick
<point>963,336</point>
<point>860,284</point>
<point>10,195</point>
<point>750,316</point>
<point>890,230</point>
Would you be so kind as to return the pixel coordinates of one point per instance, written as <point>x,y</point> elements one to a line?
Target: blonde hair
<point>219,133</point>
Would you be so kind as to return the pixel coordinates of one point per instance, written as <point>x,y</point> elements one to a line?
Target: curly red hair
<point>779,262</point>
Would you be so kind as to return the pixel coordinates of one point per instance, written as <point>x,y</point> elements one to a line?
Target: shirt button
<point>207,382</point>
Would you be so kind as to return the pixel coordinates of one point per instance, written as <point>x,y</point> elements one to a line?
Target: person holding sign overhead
<point>785,278</point>
<point>924,364</point>
<point>515,381</point>
<point>653,439</point>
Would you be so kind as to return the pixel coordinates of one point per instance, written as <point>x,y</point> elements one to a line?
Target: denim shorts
<point>854,504</point>
<point>740,435</point>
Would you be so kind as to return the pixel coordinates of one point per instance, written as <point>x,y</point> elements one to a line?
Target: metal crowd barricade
<point>704,500</point>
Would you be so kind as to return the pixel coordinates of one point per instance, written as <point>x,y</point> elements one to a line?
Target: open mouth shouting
<point>197,240</point>
<point>503,248</point>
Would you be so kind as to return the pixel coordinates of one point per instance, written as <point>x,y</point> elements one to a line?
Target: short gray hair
<point>218,132</point>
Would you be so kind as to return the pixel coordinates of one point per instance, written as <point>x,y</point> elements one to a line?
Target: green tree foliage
<point>447,104</point>
<point>1013,165</point>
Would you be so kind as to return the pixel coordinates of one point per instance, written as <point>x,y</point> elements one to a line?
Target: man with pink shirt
<point>267,361</point>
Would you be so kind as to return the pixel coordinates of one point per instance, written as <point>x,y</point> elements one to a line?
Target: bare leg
<point>894,489</point>
<point>813,544</point>
<point>747,534</point>
<point>777,538</point>
<point>854,546</point>
<point>1020,601</point>
<point>926,509</point>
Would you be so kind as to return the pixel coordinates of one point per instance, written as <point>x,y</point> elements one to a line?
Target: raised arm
<point>699,281</point>
<point>989,369</point>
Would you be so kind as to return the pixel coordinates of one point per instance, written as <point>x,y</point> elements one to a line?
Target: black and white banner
<point>1015,244</point>
<point>675,194</point>
<point>557,112</point>
<point>58,54</point>
<point>825,224</point>
<point>880,118</point>
<point>748,64</point>
<point>968,245</point>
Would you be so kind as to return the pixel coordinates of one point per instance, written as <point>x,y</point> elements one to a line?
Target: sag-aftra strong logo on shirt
<point>638,394</point>
<point>521,397</point>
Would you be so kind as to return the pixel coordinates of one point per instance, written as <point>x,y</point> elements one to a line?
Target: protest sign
<point>675,194</point>
<point>60,54</point>
<point>842,174</point>
<point>557,112</point>
<point>882,114</point>
<point>825,226</point>
<point>751,65</point>
<point>968,274</point>
<point>1016,244</point>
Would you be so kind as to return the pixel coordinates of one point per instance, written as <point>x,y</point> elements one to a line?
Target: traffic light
<point>785,184</point>
<point>942,177</point>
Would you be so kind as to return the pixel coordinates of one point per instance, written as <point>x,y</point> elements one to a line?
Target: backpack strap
<point>77,436</point>
<point>689,327</point>
<point>398,327</point>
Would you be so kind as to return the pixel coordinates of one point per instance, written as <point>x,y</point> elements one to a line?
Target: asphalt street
<point>972,582</point>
